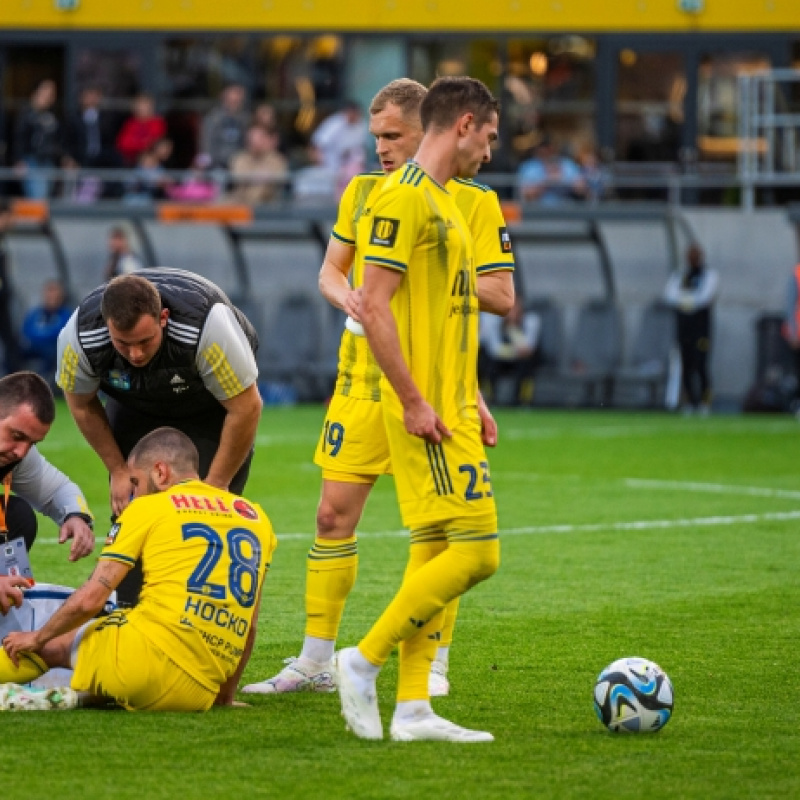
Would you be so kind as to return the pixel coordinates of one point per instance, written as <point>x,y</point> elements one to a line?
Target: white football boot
<point>14,697</point>
<point>299,675</point>
<point>438,684</point>
<point>429,727</point>
<point>358,696</point>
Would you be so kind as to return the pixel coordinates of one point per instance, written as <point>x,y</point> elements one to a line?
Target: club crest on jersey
<point>119,380</point>
<point>384,231</point>
<point>244,509</point>
<point>112,534</point>
<point>505,240</point>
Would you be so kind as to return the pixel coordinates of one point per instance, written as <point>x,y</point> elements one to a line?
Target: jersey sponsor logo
<point>505,240</point>
<point>118,379</point>
<point>112,534</point>
<point>244,509</point>
<point>384,231</point>
<point>191,502</point>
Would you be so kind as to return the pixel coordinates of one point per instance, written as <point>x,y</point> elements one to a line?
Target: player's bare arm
<point>333,283</point>
<point>79,608</point>
<point>91,419</point>
<point>238,435</point>
<point>496,292</point>
<point>380,286</point>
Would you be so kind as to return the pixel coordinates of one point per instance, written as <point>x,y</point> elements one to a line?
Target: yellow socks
<point>30,667</point>
<point>414,614</point>
<point>330,575</point>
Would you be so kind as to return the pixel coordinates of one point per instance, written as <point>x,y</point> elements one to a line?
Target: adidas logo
<point>177,379</point>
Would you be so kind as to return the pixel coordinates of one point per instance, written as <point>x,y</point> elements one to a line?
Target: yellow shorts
<point>114,659</point>
<point>446,484</point>
<point>353,441</point>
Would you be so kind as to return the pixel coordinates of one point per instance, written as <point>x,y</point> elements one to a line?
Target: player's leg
<point>352,452</point>
<point>331,568</point>
<point>449,481</point>
<point>16,697</point>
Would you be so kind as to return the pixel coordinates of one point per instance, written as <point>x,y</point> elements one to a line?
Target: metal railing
<point>675,184</point>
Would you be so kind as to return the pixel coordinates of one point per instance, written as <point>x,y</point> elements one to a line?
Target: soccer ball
<point>633,695</point>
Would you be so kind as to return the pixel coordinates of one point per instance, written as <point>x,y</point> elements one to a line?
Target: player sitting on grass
<point>184,646</point>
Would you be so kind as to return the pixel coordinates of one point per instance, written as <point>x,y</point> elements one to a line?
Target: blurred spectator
<point>141,131</point>
<point>550,178</point>
<point>595,176</point>
<point>224,127</point>
<point>692,292</point>
<point>509,348</point>
<point>791,330</point>
<point>8,336</point>
<point>91,133</point>
<point>38,140</point>
<point>121,259</point>
<point>314,184</point>
<point>341,137</point>
<point>264,115</point>
<point>259,171</point>
<point>198,186</point>
<point>150,180</point>
<point>41,327</point>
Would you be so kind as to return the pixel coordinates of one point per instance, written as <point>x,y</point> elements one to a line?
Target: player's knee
<point>330,522</point>
<point>485,562</point>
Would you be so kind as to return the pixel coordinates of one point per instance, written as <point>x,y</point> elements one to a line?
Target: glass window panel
<point>549,86</point>
<point>302,78</point>
<point>650,95</point>
<point>115,72</point>
<point>718,102</point>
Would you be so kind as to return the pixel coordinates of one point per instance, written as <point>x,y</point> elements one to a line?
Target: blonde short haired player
<point>183,647</point>
<point>353,449</point>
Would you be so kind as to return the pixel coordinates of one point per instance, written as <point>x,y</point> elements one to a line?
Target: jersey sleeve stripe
<point>495,267</point>
<point>118,557</point>
<point>343,239</point>
<point>386,262</point>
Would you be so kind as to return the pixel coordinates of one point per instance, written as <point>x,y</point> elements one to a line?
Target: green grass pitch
<point>623,534</point>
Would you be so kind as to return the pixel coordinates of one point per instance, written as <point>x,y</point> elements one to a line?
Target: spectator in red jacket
<point>140,131</point>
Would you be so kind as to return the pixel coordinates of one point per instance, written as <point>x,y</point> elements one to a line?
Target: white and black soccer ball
<point>633,695</point>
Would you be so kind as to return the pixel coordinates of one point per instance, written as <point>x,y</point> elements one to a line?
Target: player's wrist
<point>87,518</point>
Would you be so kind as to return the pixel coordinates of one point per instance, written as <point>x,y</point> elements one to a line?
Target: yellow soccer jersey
<point>415,227</point>
<point>204,554</point>
<point>359,374</point>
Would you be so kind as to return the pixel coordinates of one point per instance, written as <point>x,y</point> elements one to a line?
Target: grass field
<point>670,538</point>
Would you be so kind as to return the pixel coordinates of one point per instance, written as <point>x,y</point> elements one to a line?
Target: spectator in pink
<point>140,131</point>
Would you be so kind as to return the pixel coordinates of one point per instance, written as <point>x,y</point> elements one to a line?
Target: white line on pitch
<point>634,525</point>
<point>712,488</point>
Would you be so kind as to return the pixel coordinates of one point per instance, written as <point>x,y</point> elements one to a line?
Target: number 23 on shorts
<point>479,483</point>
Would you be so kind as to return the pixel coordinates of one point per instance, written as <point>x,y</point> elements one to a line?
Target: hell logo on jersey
<point>244,509</point>
<point>384,231</point>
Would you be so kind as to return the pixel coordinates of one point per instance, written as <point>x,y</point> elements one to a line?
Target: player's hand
<point>421,420</point>
<point>121,490</point>
<point>11,591</point>
<point>352,304</point>
<point>82,537</point>
<point>16,643</point>
<point>488,424</point>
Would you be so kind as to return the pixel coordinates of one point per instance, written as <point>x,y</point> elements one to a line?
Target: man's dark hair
<point>27,389</point>
<point>169,445</point>
<point>449,98</point>
<point>127,299</point>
